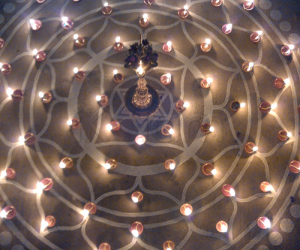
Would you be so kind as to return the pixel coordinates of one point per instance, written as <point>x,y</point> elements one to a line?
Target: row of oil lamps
<point>136,228</point>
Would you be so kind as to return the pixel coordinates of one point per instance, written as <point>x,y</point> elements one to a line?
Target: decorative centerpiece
<point>141,100</point>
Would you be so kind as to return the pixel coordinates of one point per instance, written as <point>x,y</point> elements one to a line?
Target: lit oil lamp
<point>136,229</point>
<point>167,47</point>
<point>235,105</point>
<point>44,185</point>
<point>186,209</point>
<point>113,126</point>
<point>206,83</point>
<point>8,213</point>
<point>294,167</point>
<point>208,169</point>
<point>266,187</point>
<point>16,95</point>
<point>165,79</point>
<point>49,221</point>
<point>78,41</point>
<point>265,107</point>
<point>284,135</point>
<point>279,83</point>
<point>248,5</point>
<point>250,147</point>
<point>74,123</point>
<point>102,100</point>
<point>66,162</point>
<point>89,208</point>
<point>35,24</point>
<point>118,77</point>
<point>106,10</point>
<point>39,55</point>
<point>111,164</point>
<point>183,13</point>
<point>46,97</point>
<point>167,130</point>
<point>118,46</point>
<point>247,66</point>
<point>66,23</point>
<point>169,245</point>
<point>181,105</point>
<point>140,139</point>
<point>222,226</point>
<point>216,3</point>
<point>137,197</point>
<point>29,139</point>
<point>5,68</point>
<point>264,223</point>
<point>8,173</point>
<point>79,75</point>
<point>206,45</point>
<point>144,21</point>
<point>287,50</point>
<point>256,36</point>
<point>228,190</point>
<point>206,128</point>
<point>227,28</point>
<point>170,164</point>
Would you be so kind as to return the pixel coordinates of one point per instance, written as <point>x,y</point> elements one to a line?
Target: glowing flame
<point>274,106</point>
<point>64,19</point>
<point>135,199</point>
<point>187,211</point>
<point>75,36</point>
<point>98,98</point>
<point>107,165</point>
<point>232,192</point>
<point>115,72</point>
<point>44,224</point>
<point>41,94</point>
<point>109,127</point>
<point>214,172</point>
<point>224,228</point>
<point>62,165</point>
<point>251,64</point>
<point>185,7</point>
<point>9,91</point>
<point>207,41</point>
<point>168,75</point>
<point>145,16</point>
<point>171,131</point>
<point>85,213</point>
<point>242,104</point>
<point>289,134</point>
<point>34,52</point>
<point>135,233</point>
<point>209,80</point>
<point>105,4</point>
<point>3,174</point>
<point>21,139</point>
<point>3,214</point>
<point>211,129</point>
<point>75,70</point>
<point>255,148</point>
<point>169,43</point>
<point>186,104</point>
<point>228,26</point>
<point>172,166</point>
<point>259,32</point>
<point>118,39</point>
<point>69,122</point>
<point>292,46</point>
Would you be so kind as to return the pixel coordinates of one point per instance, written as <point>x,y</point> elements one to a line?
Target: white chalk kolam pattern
<point>190,67</point>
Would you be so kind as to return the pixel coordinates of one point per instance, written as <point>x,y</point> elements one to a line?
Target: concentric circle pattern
<point>76,173</point>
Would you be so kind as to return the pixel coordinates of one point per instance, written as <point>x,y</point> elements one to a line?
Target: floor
<point>142,167</point>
